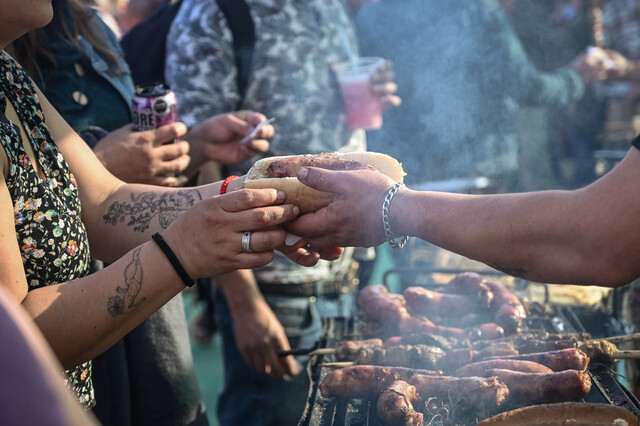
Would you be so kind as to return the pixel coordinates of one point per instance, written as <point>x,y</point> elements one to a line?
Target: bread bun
<point>564,413</point>
<point>309,199</point>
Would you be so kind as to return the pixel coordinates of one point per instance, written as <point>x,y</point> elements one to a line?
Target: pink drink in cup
<point>362,107</point>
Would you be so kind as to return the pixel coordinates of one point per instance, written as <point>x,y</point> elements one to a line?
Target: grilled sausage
<point>395,404</point>
<point>543,388</point>
<point>486,331</point>
<point>482,367</point>
<point>564,359</point>
<point>414,356</point>
<point>420,339</point>
<point>424,302</point>
<point>380,305</point>
<point>510,313</point>
<point>364,381</point>
<point>348,350</point>
<point>289,166</point>
<point>470,284</point>
<point>414,325</point>
<point>474,391</point>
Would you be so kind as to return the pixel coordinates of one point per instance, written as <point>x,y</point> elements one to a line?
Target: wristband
<point>225,183</point>
<point>387,222</point>
<point>173,259</point>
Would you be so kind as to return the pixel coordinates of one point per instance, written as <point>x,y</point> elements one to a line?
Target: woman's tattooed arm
<point>126,299</point>
<point>145,206</point>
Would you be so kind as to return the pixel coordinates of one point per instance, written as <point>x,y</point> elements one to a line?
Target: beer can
<point>152,106</point>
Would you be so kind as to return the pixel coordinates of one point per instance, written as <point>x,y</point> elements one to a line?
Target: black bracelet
<point>173,259</point>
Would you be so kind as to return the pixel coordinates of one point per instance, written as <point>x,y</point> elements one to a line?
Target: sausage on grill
<point>482,367</point>
<point>381,305</point>
<point>364,381</point>
<point>471,391</point>
<point>509,310</point>
<point>348,350</point>
<point>471,284</point>
<point>423,301</point>
<point>395,404</point>
<point>544,388</point>
<point>564,359</point>
<point>414,356</point>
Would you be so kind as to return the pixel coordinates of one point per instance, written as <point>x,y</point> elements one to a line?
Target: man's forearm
<point>538,236</point>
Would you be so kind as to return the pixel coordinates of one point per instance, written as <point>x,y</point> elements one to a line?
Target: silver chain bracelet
<point>387,222</point>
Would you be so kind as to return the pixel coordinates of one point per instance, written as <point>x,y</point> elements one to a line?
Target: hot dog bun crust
<point>309,199</point>
<point>564,413</point>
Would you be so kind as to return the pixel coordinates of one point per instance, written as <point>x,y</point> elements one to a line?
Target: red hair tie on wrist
<point>225,183</point>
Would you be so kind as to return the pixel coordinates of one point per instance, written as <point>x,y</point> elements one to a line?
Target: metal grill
<point>356,412</point>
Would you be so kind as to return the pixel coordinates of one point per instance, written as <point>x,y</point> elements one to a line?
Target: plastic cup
<point>362,107</point>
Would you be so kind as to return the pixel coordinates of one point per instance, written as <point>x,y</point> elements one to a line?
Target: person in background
<point>557,144</point>
<point>263,311</point>
<point>148,376</point>
<point>130,13</point>
<point>461,77</point>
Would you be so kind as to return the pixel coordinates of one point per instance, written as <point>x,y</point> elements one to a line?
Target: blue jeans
<point>251,398</point>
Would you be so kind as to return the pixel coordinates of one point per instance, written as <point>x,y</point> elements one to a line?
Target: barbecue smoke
<point>457,82</point>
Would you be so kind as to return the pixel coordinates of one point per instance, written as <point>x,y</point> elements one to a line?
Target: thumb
<point>238,125</point>
<point>317,178</point>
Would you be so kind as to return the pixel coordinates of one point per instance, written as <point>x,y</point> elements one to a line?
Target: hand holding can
<point>153,106</point>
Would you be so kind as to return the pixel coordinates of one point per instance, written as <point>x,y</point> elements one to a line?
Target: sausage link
<point>380,305</point>
<point>424,302</point>
<point>544,388</point>
<point>470,284</point>
<point>510,312</point>
<point>395,404</point>
<point>564,359</point>
<point>364,381</point>
<point>481,368</point>
<point>288,167</point>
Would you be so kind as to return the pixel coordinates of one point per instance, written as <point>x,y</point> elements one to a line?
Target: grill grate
<point>354,412</point>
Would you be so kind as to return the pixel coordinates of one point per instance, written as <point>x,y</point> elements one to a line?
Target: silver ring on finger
<point>246,242</point>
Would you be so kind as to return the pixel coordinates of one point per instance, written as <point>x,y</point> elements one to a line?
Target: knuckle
<point>261,216</point>
<point>245,196</point>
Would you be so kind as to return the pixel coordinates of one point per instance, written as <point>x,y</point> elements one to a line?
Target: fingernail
<point>302,174</point>
<point>296,210</point>
<point>281,195</point>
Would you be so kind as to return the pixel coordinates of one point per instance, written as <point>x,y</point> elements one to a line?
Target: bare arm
<point>82,318</point>
<point>587,236</point>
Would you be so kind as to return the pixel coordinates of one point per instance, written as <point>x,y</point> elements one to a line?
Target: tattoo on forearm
<point>147,205</point>
<point>514,272</point>
<point>127,298</point>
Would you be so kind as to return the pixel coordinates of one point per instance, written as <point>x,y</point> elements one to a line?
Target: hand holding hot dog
<point>353,217</point>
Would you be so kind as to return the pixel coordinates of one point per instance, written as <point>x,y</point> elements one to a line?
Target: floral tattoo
<point>147,205</point>
<point>127,298</point>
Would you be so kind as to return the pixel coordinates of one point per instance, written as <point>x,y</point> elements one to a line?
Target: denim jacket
<point>83,86</point>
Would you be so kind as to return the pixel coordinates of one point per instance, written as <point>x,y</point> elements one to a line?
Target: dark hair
<point>31,47</point>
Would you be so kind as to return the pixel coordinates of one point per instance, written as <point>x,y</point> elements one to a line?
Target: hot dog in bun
<point>564,413</point>
<point>280,173</point>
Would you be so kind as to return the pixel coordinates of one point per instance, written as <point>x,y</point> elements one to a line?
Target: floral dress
<point>50,233</point>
